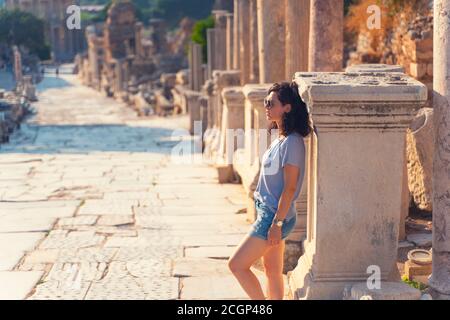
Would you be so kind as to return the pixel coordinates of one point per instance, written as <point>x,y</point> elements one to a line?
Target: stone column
<point>254,51</point>
<point>211,45</point>
<point>230,40</point>
<point>211,131</point>
<point>244,40</point>
<point>236,35</point>
<point>193,102</point>
<point>297,42</point>
<point>208,89</point>
<point>440,278</point>
<point>220,52</point>
<point>195,67</point>
<point>361,121</point>
<point>232,122</point>
<point>203,100</point>
<point>326,35</point>
<point>138,40</point>
<point>271,41</point>
<point>222,79</point>
<point>118,77</point>
<point>297,36</point>
<point>216,43</point>
<point>17,66</point>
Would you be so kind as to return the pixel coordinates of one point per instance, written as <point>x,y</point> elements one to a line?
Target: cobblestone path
<point>94,206</point>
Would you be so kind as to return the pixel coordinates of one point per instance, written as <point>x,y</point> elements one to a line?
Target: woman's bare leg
<point>248,251</point>
<point>273,265</point>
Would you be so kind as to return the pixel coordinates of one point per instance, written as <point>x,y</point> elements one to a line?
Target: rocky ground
<point>94,205</point>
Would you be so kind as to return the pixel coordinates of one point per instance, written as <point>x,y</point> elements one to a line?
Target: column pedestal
<point>355,177</point>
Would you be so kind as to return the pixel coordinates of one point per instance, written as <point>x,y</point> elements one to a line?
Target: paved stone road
<point>94,206</point>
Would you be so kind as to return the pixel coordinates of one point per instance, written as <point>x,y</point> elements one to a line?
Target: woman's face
<point>274,108</point>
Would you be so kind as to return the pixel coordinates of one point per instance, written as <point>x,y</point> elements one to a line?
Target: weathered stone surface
<point>297,42</point>
<point>16,285</point>
<point>78,221</point>
<point>162,288</point>
<point>197,267</point>
<point>149,268</point>
<point>368,112</point>
<point>10,254</point>
<point>378,67</point>
<point>55,290</point>
<point>218,252</point>
<point>211,288</point>
<point>419,148</point>
<point>115,220</point>
<point>420,239</point>
<point>271,40</point>
<point>95,254</point>
<point>72,274</point>
<point>42,256</point>
<point>107,207</point>
<point>388,291</point>
<point>326,42</point>
<point>8,260</point>
<point>74,239</point>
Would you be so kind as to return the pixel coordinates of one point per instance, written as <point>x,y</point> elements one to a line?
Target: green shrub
<point>199,34</point>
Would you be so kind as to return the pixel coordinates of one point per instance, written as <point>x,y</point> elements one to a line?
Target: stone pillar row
<point>261,42</point>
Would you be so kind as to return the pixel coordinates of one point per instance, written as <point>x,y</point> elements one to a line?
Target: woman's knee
<point>272,267</point>
<point>272,270</point>
<point>236,266</point>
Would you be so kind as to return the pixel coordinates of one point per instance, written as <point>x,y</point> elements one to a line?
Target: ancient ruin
<point>373,212</point>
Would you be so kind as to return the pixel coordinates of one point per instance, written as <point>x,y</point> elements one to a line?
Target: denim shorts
<point>264,218</point>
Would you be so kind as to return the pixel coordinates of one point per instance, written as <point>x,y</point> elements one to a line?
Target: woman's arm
<point>291,174</point>
<point>290,186</point>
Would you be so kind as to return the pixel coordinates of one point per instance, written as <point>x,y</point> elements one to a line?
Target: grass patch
<point>414,284</point>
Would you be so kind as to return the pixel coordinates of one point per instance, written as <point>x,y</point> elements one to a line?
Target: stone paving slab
<point>9,259</point>
<point>26,223</point>
<point>197,267</point>
<point>16,285</point>
<point>14,245</point>
<point>220,287</point>
<point>218,252</point>
<point>212,288</point>
<point>212,240</point>
<point>75,239</point>
<point>56,290</point>
<point>107,207</point>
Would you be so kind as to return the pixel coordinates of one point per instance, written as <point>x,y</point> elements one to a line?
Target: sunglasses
<point>268,103</point>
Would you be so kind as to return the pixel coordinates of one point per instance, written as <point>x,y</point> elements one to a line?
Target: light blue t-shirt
<point>290,150</point>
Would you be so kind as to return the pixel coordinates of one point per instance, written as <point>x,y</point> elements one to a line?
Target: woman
<point>280,181</point>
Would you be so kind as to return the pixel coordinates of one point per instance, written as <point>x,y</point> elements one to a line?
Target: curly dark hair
<point>296,120</point>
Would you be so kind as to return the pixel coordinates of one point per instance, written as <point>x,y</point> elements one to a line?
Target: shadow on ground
<point>50,139</point>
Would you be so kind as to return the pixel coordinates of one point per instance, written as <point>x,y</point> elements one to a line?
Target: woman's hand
<point>274,235</point>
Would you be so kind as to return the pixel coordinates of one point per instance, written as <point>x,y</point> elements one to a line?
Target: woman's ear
<point>287,107</point>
